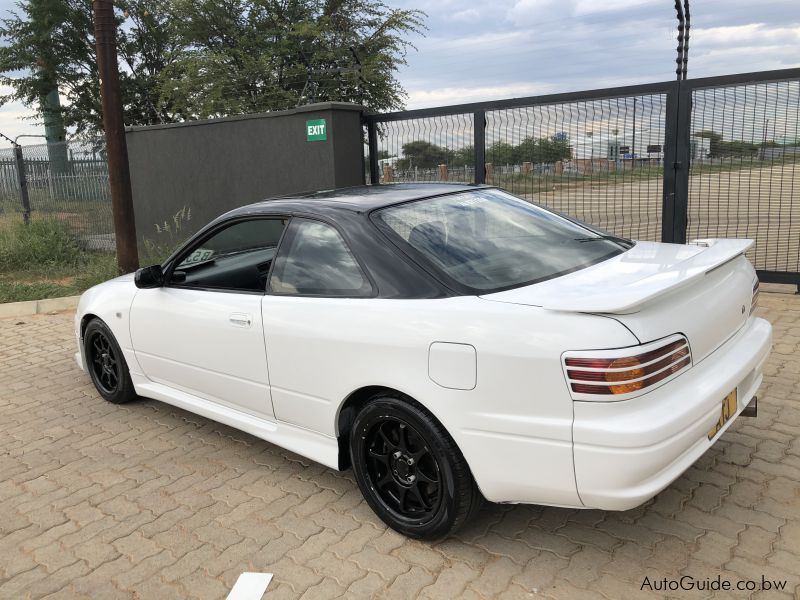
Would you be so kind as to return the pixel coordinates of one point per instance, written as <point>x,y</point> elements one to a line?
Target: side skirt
<point>317,447</point>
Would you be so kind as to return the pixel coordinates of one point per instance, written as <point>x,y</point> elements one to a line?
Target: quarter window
<point>237,258</point>
<point>314,260</point>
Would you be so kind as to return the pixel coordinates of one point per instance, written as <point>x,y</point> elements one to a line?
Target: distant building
<point>622,145</point>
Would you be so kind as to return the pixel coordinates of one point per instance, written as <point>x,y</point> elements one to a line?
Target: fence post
<point>479,144</point>
<point>683,162</point>
<point>675,205</point>
<point>372,141</point>
<point>22,178</point>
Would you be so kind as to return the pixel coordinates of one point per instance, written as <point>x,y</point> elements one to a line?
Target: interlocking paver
<point>450,582</point>
<point>147,501</point>
<point>409,584</point>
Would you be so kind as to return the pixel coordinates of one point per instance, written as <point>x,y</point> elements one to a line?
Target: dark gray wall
<point>187,174</point>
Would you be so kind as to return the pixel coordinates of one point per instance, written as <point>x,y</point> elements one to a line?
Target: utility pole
<point>105,32</point>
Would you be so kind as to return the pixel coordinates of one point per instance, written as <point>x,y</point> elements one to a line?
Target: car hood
<point>625,282</point>
<point>128,279</point>
<point>123,278</point>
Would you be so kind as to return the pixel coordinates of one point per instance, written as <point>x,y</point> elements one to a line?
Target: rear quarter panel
<point>514,427</point>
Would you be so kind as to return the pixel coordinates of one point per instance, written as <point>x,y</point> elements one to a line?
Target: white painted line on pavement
<point>250,586</point>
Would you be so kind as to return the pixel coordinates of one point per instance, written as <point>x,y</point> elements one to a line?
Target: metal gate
<point>671,161</point>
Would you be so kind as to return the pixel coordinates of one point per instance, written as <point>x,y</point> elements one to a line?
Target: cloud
<point>14,123</point>
<point>466,15</point>
<point>419,98</point>
<point>472,40</point>
<point>590,7</point>
<point>16,119</point>
<point>475,50</point>
<point>532,11</point>
<point>749,33</point>
<point>523,47</point>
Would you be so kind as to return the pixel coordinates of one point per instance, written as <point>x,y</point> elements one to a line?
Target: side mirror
<point>149,277</point>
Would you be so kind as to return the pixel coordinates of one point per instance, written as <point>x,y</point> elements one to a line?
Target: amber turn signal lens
<point>626,375</point>
<point>631,373</point>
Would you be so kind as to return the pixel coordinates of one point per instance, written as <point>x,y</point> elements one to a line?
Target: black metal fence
<point>671,161</point>
<point>749,183</point>
<point>65,182</point>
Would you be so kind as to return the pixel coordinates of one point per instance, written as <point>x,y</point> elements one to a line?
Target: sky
<point>476,50</point>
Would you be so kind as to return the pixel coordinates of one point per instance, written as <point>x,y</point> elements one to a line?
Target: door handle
<point>241,319</point>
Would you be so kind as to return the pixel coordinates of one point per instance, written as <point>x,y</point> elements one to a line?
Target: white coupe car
<point>449,342</point>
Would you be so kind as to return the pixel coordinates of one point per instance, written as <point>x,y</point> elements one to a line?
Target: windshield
<point>487,240</point>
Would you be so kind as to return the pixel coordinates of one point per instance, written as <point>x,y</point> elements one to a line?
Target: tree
<point>37,39</point>
<point>463,156</point>
<point>553,149</point>
<point>502,153</point>
<point>186,59</point>
<point>148,45</point>
<point>543,150</point>
<point>719,148</point>
<point>257,55</point>
<point>424,155</point>
<point>50,45</point>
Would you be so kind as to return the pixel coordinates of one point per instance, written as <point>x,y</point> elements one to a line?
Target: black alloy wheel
<point>106,364</point>
<point>409,469</point>
<point>403,470</point>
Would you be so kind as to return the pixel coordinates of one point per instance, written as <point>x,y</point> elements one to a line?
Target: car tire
<point>409,469</point>
<point>106,364</point>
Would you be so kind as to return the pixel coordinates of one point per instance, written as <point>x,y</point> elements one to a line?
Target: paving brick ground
<point>148,501</point>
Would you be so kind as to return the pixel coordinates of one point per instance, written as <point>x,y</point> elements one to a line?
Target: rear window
<point>487,240</point>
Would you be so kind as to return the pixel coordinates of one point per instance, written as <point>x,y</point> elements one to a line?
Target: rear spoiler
<point>718,252</point>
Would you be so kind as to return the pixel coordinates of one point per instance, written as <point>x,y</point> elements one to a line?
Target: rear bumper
<point>626,452</point>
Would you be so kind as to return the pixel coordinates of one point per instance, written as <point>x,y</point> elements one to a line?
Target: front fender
<point>110,301</point>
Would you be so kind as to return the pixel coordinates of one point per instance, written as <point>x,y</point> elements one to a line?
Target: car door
<point>202,332</point>
<point>316,279</point>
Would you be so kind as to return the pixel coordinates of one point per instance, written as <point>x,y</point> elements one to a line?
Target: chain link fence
<point>63,182</point>
<point>744,179</point>
<point>668,161</point>
<point>598,159</point>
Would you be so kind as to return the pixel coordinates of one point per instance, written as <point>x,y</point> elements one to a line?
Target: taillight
<point>626,371</point>
<point>754,300</point>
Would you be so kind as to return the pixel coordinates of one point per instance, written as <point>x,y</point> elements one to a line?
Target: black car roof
<point>394,274</point>
<point>363,198</point>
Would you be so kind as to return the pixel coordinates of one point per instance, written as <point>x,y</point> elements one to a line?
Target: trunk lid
<point>701,290</point>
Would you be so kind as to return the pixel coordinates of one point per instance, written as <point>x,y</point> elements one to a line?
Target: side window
<point>315,260</point>
<point>236,258</point>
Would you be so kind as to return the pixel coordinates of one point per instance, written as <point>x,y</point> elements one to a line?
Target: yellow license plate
<point>729,406</point>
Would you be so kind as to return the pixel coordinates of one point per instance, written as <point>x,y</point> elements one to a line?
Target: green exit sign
<point>316,130</point>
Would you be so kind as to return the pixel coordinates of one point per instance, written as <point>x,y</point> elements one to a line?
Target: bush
<point>36,245</point>
<point>97,268</point>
